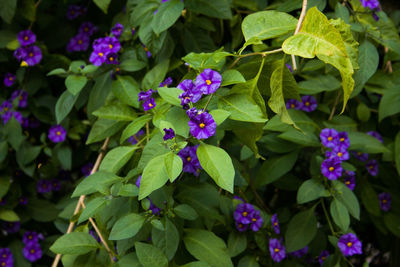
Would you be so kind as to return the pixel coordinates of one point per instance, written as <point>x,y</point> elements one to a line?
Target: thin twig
<point>147,132</point>
<point>263,54</point>
<point>388,65</point>
<point>259,199</point>
<point>327,217</point>
<point>208,102</point>
<point>82,198</point>
<point>298,26</point>
<point>334,106</point>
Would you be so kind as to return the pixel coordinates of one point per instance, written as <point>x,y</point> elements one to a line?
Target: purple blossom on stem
<point>331,168</point>
<point>289,67</point>
<point>112,58</point>
<point>338,151</point>
<point>5,106</point>
<point>26,37</point>
<point>202,126</point>
<point>344,140</point>
<point>299,253</point>
<point>329,137</point>
<point>80,42</point>
<point>275,223</point>
<point>277,250</point>
<point>9,79</point>
<point>57,133</point>
<point>385,201</point>
<point>148,53</point>
<point>376,135</point>
<point>294,104</point>
<point>167,82</point>
<point>11,227</point>
<point>208,81</point>
<point>22,97</point>
<point>149,104</point>
<point>143,96</point>
<point>349,245</point>
<point>153,208</point>
<point>23,201</point>
<point>371,4</point>
<point>117,30</point>
<point>75,11</point>
<point>6,258</point>
<point>243,213</point>
<point>87,28</point>
<point>32,252</point>
<point>360,156</point>
<point>191,163</point>
<point>30,237</point>
<point>169,134</point>
<point>55,185</point>
<point>256,221</point>
<point>133,139</point>
<point>86,169</point>
<point>137,183</point>
<point>350,179</point>
<point>241,227</point>
<point>20,53</point>
<point>94,235</point>
<point>31,55</point>
<point>372,167</point>
<point>309,103</point>
<point>9,114</point>
<point>44,186</point>
<point>322,257</point>
<point>190,94</point>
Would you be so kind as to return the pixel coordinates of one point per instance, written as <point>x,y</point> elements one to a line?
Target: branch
<point>82,198</point>
<point>298,26</point>
<point>263,54</point>
<point>334,106</point>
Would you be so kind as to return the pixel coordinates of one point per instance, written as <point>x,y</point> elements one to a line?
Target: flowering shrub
<point>199,133</point>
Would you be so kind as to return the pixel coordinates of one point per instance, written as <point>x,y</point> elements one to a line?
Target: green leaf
<point>126,89</point>
<point>132,65</point>
<point>340,215</point>
<point>8,215</point>
<point>64,105</point>
<point>249,134</point>
<point>201,61</point>
<point>219,115</point>
<point>363,112</point>
<point>76,243</point>
<point>27,153</point>
<point>317,37</point>
<point>171,95</point>
<point>99,93</point>
<point>129,260</point>
<point>365,143</point>
<point>397,152</point>
<point>7,10</point>
<point>36,211</point>
<point>186,212</point>
<point>173,166</point>
<point>167,240</point>
<point>127,226</point>
<point>4,185</point>
<point>388,105</point>
<point>102,129</point>
<point>206,246</point>
<point>318,84</point>
<point>97,180</point>
<point>102,4</point>
<point>167,14</point>
<point>216,9</point>
<point>93,207</point>
<point>57,72</point>
<point>347,197</point>
<point>392,222</point>
<point>310,190</point>
<point>75,83</point>
<point>230,77</point>
<point>301,230</point>
<point>117,158</point>
<point>275,167</point>
<point>155,76</point>
<point>154,176</point>
<point>150,256</point>
<point>64,155</point>
<point>248,261</point>
<point>218,164</point>
<point>369,198</point>
<point>117,112</point>
<point>13,131</point>
<point>267,24</point>
<point>134,127</point>
<point>242,108</point>
<point>237,243</point>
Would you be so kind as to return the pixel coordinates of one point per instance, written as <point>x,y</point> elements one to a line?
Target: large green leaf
<point>117,112</point>
<point>154,176</point>
<point>8,215</point>
<point>310,190</point>
<point>267,24</point>
<point>365,143</point>
<point>201,61</point>
<point>94,206</point>
<point>75,83</point>
<point>117,158</point>
<point>167,15</point>
<point>127,90</point>
<point>134,127</point>
<point>242,108</point>
<point>97,180</point>
<point>173,165</point>
<point>167,240</point>
<point>102,4</point>
<point>155,76</point>
<point>340,215</point>
<point>76,243</point>
<point>397,152</point>
<point>388,105</point>
<point>216,8</point>
<point>317,37</point>
<point>64,105</point>
<point>171,95</point>
<point>126,226</point>
<point>102,129</point>
<point>369,198</point>
<point>150,256</point>
<point>231,77</point>
<point>7,10</point>
<point>237,243</point>
<point>218,164</point>
<point>301,230</point>
<point>347,197</point>
<point>206,246</point>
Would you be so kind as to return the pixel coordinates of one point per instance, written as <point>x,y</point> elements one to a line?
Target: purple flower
<point>133,31</point>
<point>191,163</point>
<point>117,30</point>
<point>167,82</point>
<point>376,135</point>
<point>331,168</point>
<point>102,47</point>
<point>338,151</point>
<point>79,42</point>
<point>133,139</point>
<point>44,186</point>
<point>32,56</point>
<point>375,16</point>
<point>299,253</point>
<point>94,235</point>
<point>112,58</point>
<point>208,81</point>
<point>350,245</point>
<point>294,104</point>
<point>30,237</point>
<point>309,103</point>
<point>190,94</point>
<point>9,114</point>
<point>148,53</point>
<point>202,126</point>
<point>153,208</point>
<point>372,167</point>
<point>275,223</point>
<point>6,258</point>
<point>143,96</point>
<point>350,179</point>
<point>23,201</point>
<point>9,79</point>
<point>241,227</point>
<point>344,140</point>
<point>256,221</point>
<point>277,250</point>
<point>20,53</point>
<point>322,257</point>
<point>11,227</point>
<point>169,134</point>
<point>329,137</point>
<point>26,37</point>
<point>243,213</point>
<point>371,4</point>
<point>22,97</point>
<point>75,11</point>
<point>97,57</point>
<point>289,67</point>
<point>32,252</point>
<point>360,156</point>
<point>87,169</point>
<point>149,104</point>
<point>385,201</point>
<point>137,183</point>
<point>87,28</point>
<point>5,106</point>
<point>55,185</point>
<point>57,133</point>
<point>238,198</point>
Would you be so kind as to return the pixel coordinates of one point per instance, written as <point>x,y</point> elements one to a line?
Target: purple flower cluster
<point>6,258</point>
<point>169,134</point>
<point>191,163</point>
<point>371,165</point>
<point>153,208</point>
<point>6,111</point>
<point>28,54</point>
<point>148,101</point>
<point>275,223</point>
<point>322,257</point>
<point>385,201</point>
<point>350,179</point>
<point>21,96</point>
<point>190,93</point>
<point>81,41</point>
<point>134,138</point>
<point>117,30</point>
<point>167,82</point>
<point>331,167</point>
<point>246,216</point>
<point>201,123</point>
<point>105,51</point>
<point>75,11</point>
<point>277,250</point>
<point>46,186</point>
<point>11,227</point>
<point>349,245</point>
<point>32,250</point>
<point>371,4</point>
<point>9,79</point>
<point>308,103</point>
<point>57,133</point>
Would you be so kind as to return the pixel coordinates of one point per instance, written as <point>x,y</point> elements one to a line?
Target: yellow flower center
<point>146,49</point>
<point>110,46</point>
<point>384,201</point>
<point>323,258</point>
<point>254,219</point>
<point>292,106</point>
<point>276,249</point>
<point>208,82</point>
<point>31,54</point>
<point>58,133</point>
<point>26,38</point>
<point>240,225</point>
<point>5,109</point>
<point>111,59</point>
<point>4,255</point>
<point>347,182</point>
<point>118,69</point>
<point>276,223</point>
<point>86,29</point>
<point>188,158</point>
<point>80,42</point>
<point>24,63</point>
<point>20,97</point>
<point>349,244</point>
<point>244,213</point>
<point>100,54</point>
<point>32,251</point>
<point>3,263</point>
<point>11,78</point>
<point>340,154</point>
<point>359,153</point>
<point>370,167</point>
<point>331,169</point>
<point>341,139</point>
<point>330,138</point>
<point>150,105</point>
<point>202,125</point>
<point>307,103</point>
